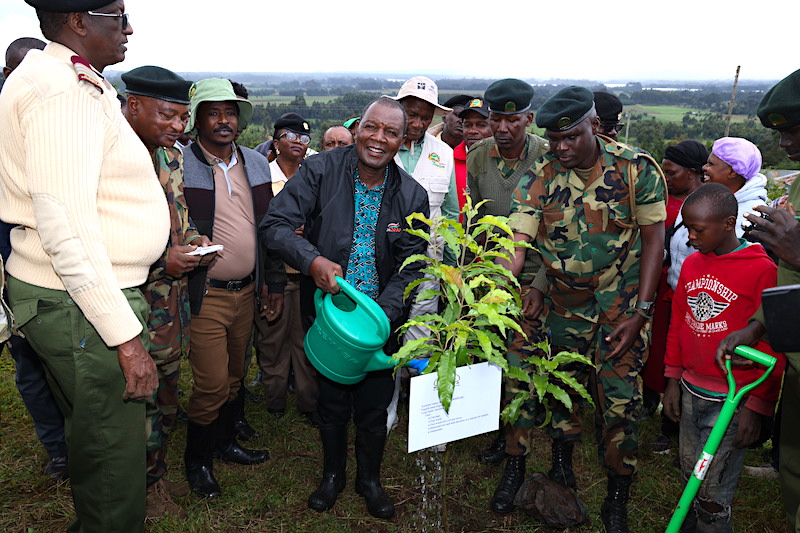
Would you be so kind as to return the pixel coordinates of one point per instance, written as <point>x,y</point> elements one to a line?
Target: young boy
<point>719,289</point>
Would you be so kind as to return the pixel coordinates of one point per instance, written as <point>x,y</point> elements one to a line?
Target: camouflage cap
<point>566,109</point>
<point>780,107</point>
<point>157,82</point>
<point>509,96</point>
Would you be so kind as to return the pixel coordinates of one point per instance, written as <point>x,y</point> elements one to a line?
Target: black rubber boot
<point>496,451</point>
<point>199,459</point>
<point>561,470</point>
<point>514,475</point>
<point>227,447</point>
<point>614,511</point>
<point>369,454</point>
<point>334,449</point>
<point>243,429</point>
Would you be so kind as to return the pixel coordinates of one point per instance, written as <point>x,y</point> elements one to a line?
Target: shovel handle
<point>754,355</point>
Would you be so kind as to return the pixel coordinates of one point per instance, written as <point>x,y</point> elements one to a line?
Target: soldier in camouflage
<point>157,108</point>
<point>596,209</point>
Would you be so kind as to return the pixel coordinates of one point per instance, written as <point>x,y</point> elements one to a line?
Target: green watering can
<point>347,338</point>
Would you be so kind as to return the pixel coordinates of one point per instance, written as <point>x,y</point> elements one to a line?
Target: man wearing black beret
<point>157,108</point>
<point>90,218</point>
<point>596,209</point>
<point>494,167</point>
<point>609,109</point>
<point>449,130</point>
<point>780,110</point>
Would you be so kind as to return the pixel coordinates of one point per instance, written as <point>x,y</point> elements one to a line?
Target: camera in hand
<point>748,227</point>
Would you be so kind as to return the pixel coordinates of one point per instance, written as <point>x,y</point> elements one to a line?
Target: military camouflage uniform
<point>591,248</point>
<point>168,322</point>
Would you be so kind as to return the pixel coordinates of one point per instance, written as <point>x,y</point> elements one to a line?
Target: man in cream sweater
<point>90,219</point>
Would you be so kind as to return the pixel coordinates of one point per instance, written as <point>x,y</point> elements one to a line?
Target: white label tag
<point>701,468</point>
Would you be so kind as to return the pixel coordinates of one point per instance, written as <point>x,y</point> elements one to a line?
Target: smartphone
<point>781,305</point>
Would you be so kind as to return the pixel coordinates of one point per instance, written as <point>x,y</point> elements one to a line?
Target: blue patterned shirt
<point>361,270</point>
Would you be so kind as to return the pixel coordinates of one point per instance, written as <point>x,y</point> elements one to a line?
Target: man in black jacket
<point>353,202</point>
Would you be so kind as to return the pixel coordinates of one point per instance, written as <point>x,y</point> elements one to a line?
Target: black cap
<point>567,108</point>
<point>157,82</point>
<point>609,107</point>
<point>292,122</point>
<point>478,105</point>
<point>458,100</point>
<point>68,6</point>
<point>509,96</point>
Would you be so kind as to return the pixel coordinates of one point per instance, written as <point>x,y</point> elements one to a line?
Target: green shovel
<point>712,444</point>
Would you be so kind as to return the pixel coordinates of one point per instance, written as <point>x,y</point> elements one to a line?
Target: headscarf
<point>742,155</point>
<point>688,154</point>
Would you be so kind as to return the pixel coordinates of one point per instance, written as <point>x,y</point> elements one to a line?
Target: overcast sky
<point>579,39</point>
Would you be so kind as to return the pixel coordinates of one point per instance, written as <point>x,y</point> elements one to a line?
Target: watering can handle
<point>756,356</point>
<point>344,286</point>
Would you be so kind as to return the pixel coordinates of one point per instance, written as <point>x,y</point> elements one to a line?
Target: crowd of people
<point>136,238</point>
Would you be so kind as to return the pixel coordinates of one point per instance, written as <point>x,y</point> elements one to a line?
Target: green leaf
<point>485,342</point>
<point>539,385</point>
<point>574,384</point>
<point>411,286</point>
<point>515,372</point>
<point>510,414</point>
<point>445,382</point>
<point>561,395</point>
<point>414,258</point>
<point>496,222</point>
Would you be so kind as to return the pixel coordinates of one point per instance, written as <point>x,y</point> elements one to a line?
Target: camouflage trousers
<point>519,434</point>
<point>161,409</point>
<point>613,384</point>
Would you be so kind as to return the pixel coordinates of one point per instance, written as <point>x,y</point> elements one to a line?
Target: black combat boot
<point>369,454</point>
<point>614,511</point>
<point>199,459</point>
<point>496,451</point>
<point>514,475</point>
<point>561,470</point>
<point>243,429</point>
<point>334,449</point>
<point>227,447</point>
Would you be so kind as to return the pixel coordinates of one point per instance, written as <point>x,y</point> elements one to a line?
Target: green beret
<point>780,107</point>
<point>509,96</point>
<point>566,109</point>
<point>68,6</point>
<point>157,82</point>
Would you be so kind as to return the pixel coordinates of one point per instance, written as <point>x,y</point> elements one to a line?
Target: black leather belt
<point>233,285</point>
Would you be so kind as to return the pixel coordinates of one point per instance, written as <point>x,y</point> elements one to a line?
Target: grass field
<point>274,99</point>
<point>272,497</point>
<point>671,113</point>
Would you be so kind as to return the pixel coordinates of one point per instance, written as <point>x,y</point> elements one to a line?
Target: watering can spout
<point>379,361</point>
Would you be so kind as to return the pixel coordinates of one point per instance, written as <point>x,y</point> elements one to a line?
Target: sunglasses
<point>292,136</point>
<point>123,16</point>
<point>609,127</point>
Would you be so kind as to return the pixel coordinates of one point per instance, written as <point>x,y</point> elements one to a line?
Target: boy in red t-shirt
<point>718,291</point>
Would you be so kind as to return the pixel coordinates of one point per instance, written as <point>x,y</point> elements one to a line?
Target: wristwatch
<point>647,307</point>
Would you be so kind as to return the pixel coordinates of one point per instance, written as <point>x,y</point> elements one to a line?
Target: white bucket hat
<point>425,89</point>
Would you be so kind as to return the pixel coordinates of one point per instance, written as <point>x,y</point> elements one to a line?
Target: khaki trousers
<point>280,348</point>
<point>220,335</point>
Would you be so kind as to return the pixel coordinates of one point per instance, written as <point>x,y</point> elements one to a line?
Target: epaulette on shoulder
<point>86,72</point>
<point>619,149</point>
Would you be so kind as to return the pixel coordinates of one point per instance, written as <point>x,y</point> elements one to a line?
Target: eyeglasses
<point>292,136</point>
<point>123,16</point>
